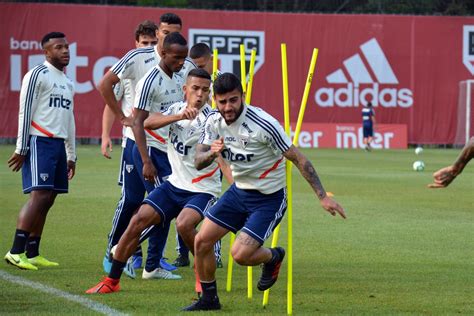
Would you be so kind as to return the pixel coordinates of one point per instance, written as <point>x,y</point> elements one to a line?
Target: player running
<point>45,148</point>
<point>256,146</point>
<point>188,193</point>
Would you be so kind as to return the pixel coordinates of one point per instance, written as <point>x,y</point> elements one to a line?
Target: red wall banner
<point>408,66</point>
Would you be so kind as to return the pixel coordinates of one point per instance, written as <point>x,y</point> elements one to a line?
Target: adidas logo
<point>366,77</point>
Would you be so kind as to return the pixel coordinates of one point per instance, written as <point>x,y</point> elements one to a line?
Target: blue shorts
<point>161,163</point>
<point>168,201</point>
<point>367,130</point>
<point>45,166</point>
<point>251,211</point>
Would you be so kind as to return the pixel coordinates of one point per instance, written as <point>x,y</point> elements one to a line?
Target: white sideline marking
<point>90,304</point>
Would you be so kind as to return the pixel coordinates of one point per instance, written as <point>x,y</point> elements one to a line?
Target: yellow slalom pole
<point>286,111</point>
<point>248,95</point>
<point>215,59</point>
<point>243,74</point>
<point>309,79</point>
<point>230,264</point>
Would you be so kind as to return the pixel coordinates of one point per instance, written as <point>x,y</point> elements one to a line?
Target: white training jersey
<point>183,138</point>
<point>46,108</point>
<point>254,145</point>
<point>136,63</point>
<point>123,92</point>
<point>155,92</point>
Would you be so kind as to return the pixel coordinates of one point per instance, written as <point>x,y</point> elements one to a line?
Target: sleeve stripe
<point>269,128</point>
<point>125,59</point>
<point>146,88</point>
<point>30,92</point>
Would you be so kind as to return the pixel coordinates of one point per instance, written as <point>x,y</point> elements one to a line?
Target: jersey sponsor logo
<point>44,176</point>
<point>247,128</point>
<point>231,156</point>
<point>149,60</point>
<point>468,48</point>
<point>129,168</point>
<point>227,43</point>
<point>230,139</point>
<point>371,77</point>
<point>59,101</point>
<point>180,147</point>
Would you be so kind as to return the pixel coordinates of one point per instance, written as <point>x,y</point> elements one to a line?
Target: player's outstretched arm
<point>309,173</point>
<point>444,176</point>
<point>206,154</point>
<point>158,120</point>
<point>106,89</point>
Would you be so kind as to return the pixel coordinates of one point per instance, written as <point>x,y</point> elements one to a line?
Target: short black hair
<point>170,18</point>
<point>227,82</point>
<point>200,50</point>
<point>147,27</point>
<point>199,73</point>
<point>174,38</point>
<point>51,35</point>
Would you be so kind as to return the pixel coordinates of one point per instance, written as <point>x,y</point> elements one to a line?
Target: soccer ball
<point>418,150</point>
<point>419,165</point>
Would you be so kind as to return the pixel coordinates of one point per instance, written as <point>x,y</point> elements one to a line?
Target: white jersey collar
<point>52,68</point>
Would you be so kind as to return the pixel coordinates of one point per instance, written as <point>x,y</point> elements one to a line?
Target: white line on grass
<point>95,306</point>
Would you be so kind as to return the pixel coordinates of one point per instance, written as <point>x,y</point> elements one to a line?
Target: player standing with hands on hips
<point>45,148</point>
<point>255,146</point>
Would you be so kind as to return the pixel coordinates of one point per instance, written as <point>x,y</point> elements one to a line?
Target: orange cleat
<point>107,285</point>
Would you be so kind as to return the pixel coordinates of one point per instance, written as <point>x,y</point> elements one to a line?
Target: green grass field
<point>404,249</point>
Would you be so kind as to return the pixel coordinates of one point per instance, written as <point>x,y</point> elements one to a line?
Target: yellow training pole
<point>230,264</point>
<point>286,111</point>
<point>243,74</point>
<point>215,59</point>
<point>248,95</point>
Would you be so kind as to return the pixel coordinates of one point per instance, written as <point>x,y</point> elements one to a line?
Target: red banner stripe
<point>41,129</point>
<point>156,136</point>
<point>204,176</point>
<point>263,175</point>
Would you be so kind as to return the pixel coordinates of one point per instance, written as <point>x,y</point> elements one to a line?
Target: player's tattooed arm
<point>306,169</point>
<point>206,154</point>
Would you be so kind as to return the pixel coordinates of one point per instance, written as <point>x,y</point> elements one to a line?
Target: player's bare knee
<point>202,245</point>
<point>240,254</point>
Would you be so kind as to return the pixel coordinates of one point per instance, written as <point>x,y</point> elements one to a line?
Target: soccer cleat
<point>129,270</point>
<point>106,286</point>
<point>202,305</point>
<point>270,270</point>
<point>165,265</point>
<point>20,261</point>
<point>181,261</point>
<point>137,261</point>
<point>160,273</point>
<point>40,261</point>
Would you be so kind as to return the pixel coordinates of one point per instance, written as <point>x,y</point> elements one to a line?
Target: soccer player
<point>444,176</point>
<point>256,146</point>
<point>201,55</point>
<point>368,122</point>
<point>45,148</point>
<point>132,67</point>
<point>187,193</point>
<point>145,36</point>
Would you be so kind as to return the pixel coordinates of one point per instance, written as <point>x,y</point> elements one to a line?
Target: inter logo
<point>227,43</point>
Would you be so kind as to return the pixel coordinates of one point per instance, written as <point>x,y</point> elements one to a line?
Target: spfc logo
<point>44,176</point>
<point>227,43</point>
<point>244,142</point>
<point>129,168</point>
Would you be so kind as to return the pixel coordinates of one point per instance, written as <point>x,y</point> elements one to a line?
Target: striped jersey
<point>123,92</point>
<point>46,108</point>
<point>136,63</point>
<point>254,145</point>
<point>367,113</point>
<point>155,92</point>
<point>183,138</point>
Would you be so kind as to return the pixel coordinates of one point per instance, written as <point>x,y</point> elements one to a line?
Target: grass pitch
<point>404,249</point>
